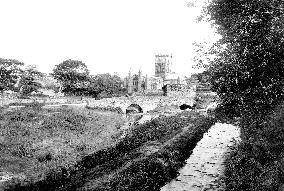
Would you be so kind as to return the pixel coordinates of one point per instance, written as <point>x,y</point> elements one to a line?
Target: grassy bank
<point>155,170</point>
<point>146,159</point>
<point>35,142</point>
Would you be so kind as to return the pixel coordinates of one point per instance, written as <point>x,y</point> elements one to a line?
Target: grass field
<point>62,148</point>
<point>35,141</point>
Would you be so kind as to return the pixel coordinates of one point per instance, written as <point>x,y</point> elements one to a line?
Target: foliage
<point>248,74</point>
<point>265,134</point>
<point>9,71</point>
<point>106,84</point>
<point>72,75</point>
<point>203,77</point>
<point>243,171</point>
<point>28,81</point>
<point>204,53</point>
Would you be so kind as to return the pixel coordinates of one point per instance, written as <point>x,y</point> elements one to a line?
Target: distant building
<point>163,76</point>
<point>200,82</point>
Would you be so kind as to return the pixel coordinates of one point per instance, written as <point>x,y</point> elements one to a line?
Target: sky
<point>107,35</point>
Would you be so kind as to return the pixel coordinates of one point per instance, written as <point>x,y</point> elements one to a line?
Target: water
<point>204,167</point>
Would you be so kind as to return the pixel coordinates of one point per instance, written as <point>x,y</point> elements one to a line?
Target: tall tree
<point>105,83</point>
<point>249,74</point>
<point>29,80</point>
<point>71,74</point>
<point>9,72</point>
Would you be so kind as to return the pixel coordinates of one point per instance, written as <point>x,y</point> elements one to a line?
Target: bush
<point>257,163</point>
<point>244,172</point>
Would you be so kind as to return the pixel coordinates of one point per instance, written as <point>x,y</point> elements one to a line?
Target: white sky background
<point>108,35</point>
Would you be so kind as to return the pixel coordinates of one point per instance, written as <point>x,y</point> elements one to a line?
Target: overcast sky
<point>108,35</point>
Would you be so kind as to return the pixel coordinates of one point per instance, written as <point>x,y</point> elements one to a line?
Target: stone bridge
<point>147,103</point>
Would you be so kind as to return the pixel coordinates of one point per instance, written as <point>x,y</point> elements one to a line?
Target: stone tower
<point>163,64</point>
<point>130,83</point>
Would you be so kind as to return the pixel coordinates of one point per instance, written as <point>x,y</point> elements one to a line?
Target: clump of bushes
<point>257,163</point>
<point>244,171</point>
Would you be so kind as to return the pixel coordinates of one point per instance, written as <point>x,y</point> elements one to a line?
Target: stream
<point>204,168</point>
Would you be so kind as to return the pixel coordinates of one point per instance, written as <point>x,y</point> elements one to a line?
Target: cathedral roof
<point>171,76</point>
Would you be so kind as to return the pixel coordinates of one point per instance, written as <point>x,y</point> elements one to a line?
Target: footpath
<point>204,168</point>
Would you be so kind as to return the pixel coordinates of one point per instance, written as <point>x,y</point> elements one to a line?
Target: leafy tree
<point>29,80</point>
<point>203,77</point>
<point>72,75</point>
<point>248,74</point>
<point>249,77</point>
<point>9,71</point>
<point>105,83</point>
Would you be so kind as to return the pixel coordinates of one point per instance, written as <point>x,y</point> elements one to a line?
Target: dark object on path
<point>134,108</point>
<point>185,106</point>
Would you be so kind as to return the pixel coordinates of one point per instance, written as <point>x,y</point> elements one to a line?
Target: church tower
<point>163,65</point>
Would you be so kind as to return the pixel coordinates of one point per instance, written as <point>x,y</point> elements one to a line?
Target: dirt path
<point>205,166</point>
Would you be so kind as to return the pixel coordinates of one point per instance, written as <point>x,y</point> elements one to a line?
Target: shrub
<point>244,172</point>
<point>257,163</point>
<point>265,132</point>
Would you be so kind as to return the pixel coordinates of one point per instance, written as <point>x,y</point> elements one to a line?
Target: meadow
<point>35,141</point>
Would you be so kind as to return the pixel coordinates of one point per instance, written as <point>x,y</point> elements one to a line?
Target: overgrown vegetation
<point>248,76</point>
<point>9,70</point>
<point>248,72</point>
<point>74,77</point>
<point>28,81</point>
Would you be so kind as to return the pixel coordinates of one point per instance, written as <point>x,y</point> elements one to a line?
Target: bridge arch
<point>134,108</point>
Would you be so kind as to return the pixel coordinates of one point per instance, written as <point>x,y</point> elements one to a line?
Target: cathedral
<point>163,76</point>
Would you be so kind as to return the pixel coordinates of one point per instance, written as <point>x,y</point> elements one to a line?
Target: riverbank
<point>146,159</point>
